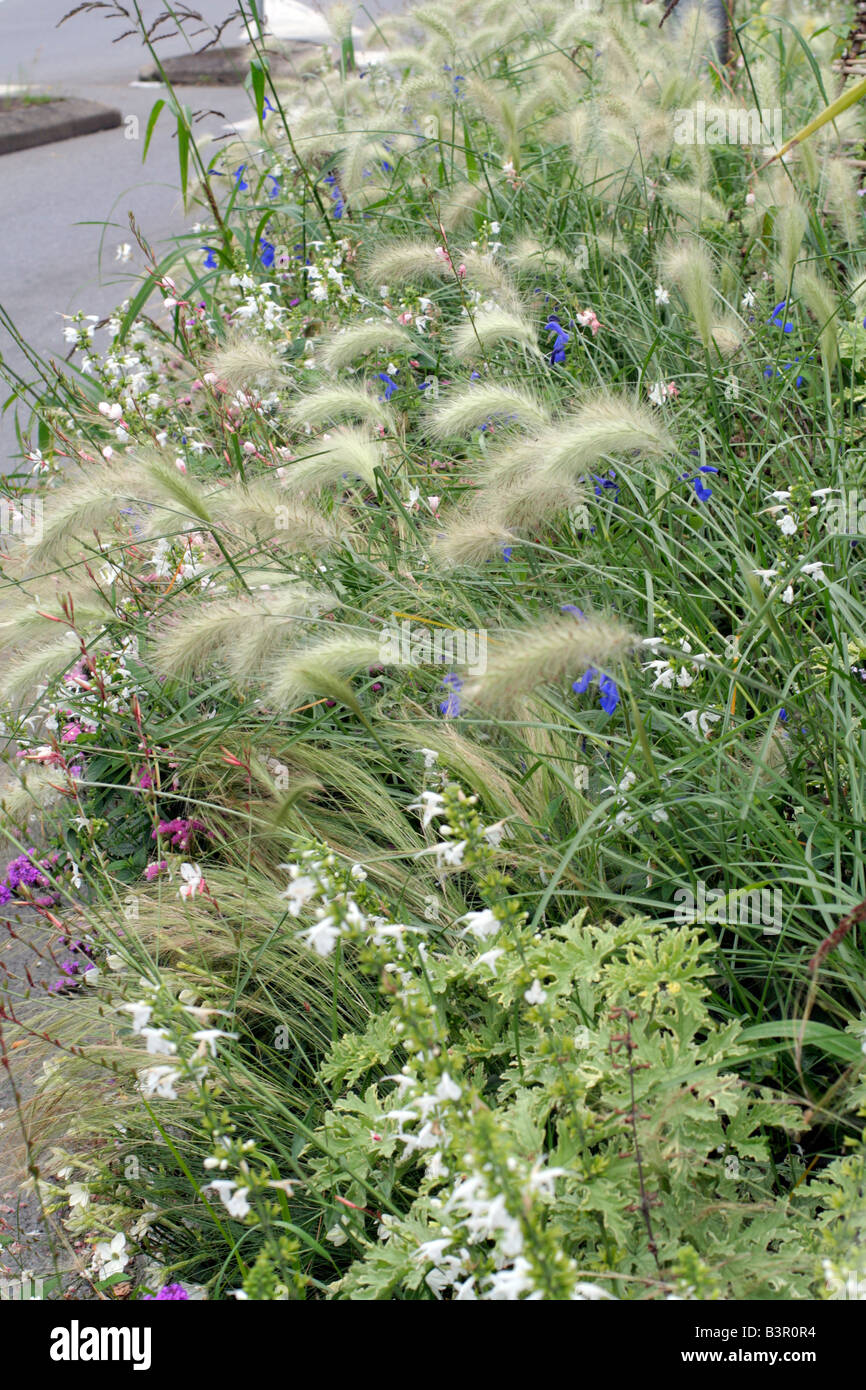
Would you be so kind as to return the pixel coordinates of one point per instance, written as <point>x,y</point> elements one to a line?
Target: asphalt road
<point>64,207</point>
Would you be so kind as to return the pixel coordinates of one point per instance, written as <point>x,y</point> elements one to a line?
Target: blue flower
<point>606,482</point>
<point>570,608</point>
<point>506,554</point>
<point>339,203</point>
<point>450,706</point>
<point>266,107</point>
<point>239,179</point>
<point>273,192</point>
<point>608,693</point>
<point>266,255</point>
<point>390,384</point>
<point>701,490</point>
<point>562,338</point>
<point>777,319</point>
<point>210,259</point>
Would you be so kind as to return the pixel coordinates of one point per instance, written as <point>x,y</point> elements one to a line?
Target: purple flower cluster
<point>168,1292</point>
<point>23,872</point>
<point>179,830</point>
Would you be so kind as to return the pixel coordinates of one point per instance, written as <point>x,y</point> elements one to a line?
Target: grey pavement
<point>64,207</point>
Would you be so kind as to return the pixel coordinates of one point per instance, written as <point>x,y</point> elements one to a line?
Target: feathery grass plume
<point>529,257</point>
<point>458,209</point>
<point>843,202</point>
<point>263,509</point>
<point>820,299</point>
<point>89,502</point>
<point>243,362</point>
<point>34,790</point>
<point>464,410</point>
<point>203,633</point>
<point>688,264</point>
<point>41,665</point>
<point>256,647</point>
<point>789,230</point>
<point>408,262</point>
<point>319,668</point>
<point>333,403</point>
<point>608,425</point>
<point>22,621</point>
<point>471,540</point>
<point>554,653</point>
<point>490,327</point>
<point>536,498</point>
<point>346,452</point>
<point>727,335</point>
<point>359,169</point>
<point>694,203</point>
<point>354,343</point>
<point>438,19</point>
<point>176,492</point>
<point>484,271</point>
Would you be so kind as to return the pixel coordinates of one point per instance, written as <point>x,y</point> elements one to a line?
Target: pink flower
<point>587,319</point>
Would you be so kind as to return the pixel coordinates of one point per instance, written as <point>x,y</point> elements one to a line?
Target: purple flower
<point>701,490</point>
<point>608,693</point>
<point>450,706</point>
<point>389,383</point>
<point>777,319</point>
<point>562,338</point>
<point>175,1292</point>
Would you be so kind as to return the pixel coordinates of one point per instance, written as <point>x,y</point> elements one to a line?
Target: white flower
<point>664,674</point>
<point>815,571</point>
<point>159,1081</point>
<point>481,924</point>
<point>430,804</point>
<point>123,252</point>
<point>79,1195</point>
<point>111,411</point>
<point>235,1202</point>
<point>336,1235</point>
<point>449,855</point>
<point>749,299</point>
<point>110,1257</point>
<point>662,295</point>
<point>158,1042</point>
<point>322,937</point>
<point>299,892</point>
<point>431,757</point>
<point>207,1038</point>
<point>535,994</point>
<point>787,525</point>
<point>448,1089</point>
<point>660,815</point>
<point>765,576</point>
<point>788,594</point>
<point>141,1013</point>
<point>703,719</point>
<point>193,881</point>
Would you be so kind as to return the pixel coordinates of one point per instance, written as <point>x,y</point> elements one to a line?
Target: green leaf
<point>151,126</point>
